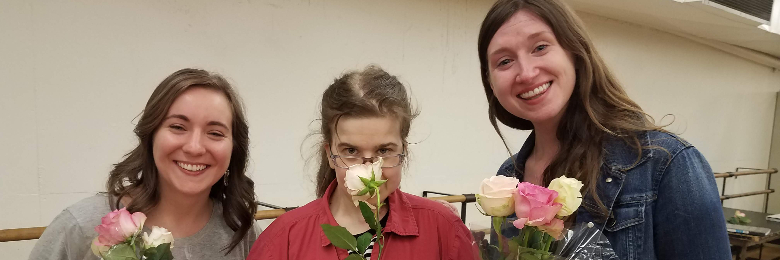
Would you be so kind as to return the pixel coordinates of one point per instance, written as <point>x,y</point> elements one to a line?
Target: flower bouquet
<point>536,230</point>
<point>120,238</point>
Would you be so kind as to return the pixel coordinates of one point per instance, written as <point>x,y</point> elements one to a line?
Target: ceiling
<point>691,17</point>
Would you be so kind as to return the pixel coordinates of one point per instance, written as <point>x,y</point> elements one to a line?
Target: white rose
<point>495,196</point>
<point>158,237</point>
<point>355,185</point>
<point>569,194</point>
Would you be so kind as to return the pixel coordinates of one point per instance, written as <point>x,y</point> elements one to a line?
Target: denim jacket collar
<point>618,156</point>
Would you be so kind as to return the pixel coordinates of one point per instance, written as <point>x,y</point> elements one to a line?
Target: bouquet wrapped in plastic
<point>536,230</point>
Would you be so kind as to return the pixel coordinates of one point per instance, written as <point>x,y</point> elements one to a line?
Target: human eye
<point>176,127</point>
<point>216,134</point>
<point>350,151</point>
<point>540,47</point>
<point>384,151</point>
<point>503,62</point>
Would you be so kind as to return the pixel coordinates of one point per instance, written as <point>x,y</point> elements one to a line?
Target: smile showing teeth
<point>535,92</point>
<point>192,167</point>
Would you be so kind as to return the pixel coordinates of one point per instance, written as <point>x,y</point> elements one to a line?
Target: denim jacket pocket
<point>626,228</point>
<point>626,215</point>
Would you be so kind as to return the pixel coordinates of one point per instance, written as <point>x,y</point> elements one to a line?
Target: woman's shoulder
<point>68,236</point>
<point>656,145</point>
<point>305,215</point>
<point>665,139</point>
<point>88,211</point>
<point>425,205</point>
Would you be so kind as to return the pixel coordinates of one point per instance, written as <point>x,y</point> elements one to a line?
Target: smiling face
<point>193,145</point>
<point>530,74</point>
<point>368,137</point>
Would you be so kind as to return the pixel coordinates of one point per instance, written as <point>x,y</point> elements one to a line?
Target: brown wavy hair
<point>598,107</point>
<point>136,176</point>
<point>367,93</point>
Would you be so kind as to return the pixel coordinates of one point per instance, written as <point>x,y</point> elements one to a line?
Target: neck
<point>347,214</point>
<point>546,144</point>
<point>546,147</point>
<point>182,214</point>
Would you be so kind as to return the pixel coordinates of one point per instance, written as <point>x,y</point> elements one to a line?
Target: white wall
<point>722,104</point>
<point>774,162</point>
<point>76,74</point>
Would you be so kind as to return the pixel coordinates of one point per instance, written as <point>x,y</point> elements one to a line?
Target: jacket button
<point>609,180</point>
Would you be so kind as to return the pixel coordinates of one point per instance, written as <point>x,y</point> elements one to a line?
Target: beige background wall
<point>74,76</point>
<point>774,161</point>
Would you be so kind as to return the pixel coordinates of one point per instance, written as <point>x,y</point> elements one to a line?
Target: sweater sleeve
<point>63,239</point>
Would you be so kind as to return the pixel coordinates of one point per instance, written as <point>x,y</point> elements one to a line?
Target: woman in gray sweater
<point>187,174</point>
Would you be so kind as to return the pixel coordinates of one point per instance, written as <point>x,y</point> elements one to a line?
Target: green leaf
<point>513,245</point>
<point>379,183</point>
<point>354,257</point>
<point>120,252</point>
<point>363,192</point>
<point>365,181</point>
<point>340,237</point>
<point>363,241</point>
<point>368,215</point>
<point>161,252</point>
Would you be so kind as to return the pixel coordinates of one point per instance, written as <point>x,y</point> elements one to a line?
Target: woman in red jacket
<point>365,116</point>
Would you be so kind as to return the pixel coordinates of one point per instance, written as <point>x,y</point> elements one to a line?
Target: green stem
<point>378,224</point>
<point>497,221</point>
<point>546,242</point>
<point>526,235</point>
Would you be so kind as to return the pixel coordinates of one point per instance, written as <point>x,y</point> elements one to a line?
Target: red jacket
<point>417,228</point>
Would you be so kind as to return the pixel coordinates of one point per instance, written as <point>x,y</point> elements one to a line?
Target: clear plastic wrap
<point>583,241</point>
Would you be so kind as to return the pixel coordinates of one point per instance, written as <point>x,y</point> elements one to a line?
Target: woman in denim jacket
<point>652,192</point>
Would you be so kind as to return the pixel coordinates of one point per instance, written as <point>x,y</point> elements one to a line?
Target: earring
<point>225,178</point>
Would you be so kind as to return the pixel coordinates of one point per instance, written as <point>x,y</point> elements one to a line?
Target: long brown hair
<point>367,93</point>
<point>598,107</point>
<point>136,176</point>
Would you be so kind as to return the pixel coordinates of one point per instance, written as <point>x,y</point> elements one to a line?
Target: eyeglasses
<point>345,162</point>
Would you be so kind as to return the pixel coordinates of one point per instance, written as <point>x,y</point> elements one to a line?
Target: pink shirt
<point>417,228</point>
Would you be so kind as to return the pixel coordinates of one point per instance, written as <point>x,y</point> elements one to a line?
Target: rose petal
<point>520,222</point>
<point>554,228</point>
<point>522,206</point>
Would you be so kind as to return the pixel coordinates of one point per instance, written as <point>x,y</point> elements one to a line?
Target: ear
<point>327,155</point>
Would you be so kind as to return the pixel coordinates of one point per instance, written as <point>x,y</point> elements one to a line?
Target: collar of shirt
<point>400,222</point>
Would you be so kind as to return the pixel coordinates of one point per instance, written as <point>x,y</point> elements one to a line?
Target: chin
<point>194,190</point>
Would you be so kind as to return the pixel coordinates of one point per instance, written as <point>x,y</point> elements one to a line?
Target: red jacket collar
<point>401,220</point>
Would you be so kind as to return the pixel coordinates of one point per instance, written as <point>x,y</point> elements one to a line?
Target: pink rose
<point>117,226</point>
<point>534,205</point>
<point>554,228</point>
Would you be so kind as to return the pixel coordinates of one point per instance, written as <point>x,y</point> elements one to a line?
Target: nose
<point>368,160</point>
<point>194,145</point>
<point>527,72</point>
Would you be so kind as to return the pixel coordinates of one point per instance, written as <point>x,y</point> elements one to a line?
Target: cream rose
<point>495,196</point>
<point>158,237</point>
<point>569,194</point>
<point>355,185</point>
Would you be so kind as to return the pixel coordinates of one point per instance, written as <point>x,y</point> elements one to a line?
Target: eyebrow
<point>531,36</point>
<point>185,118</point>
<point>344,144</point>
<point>537,34</point>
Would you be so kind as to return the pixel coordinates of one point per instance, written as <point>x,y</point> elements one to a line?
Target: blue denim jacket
<point>665,206</point>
